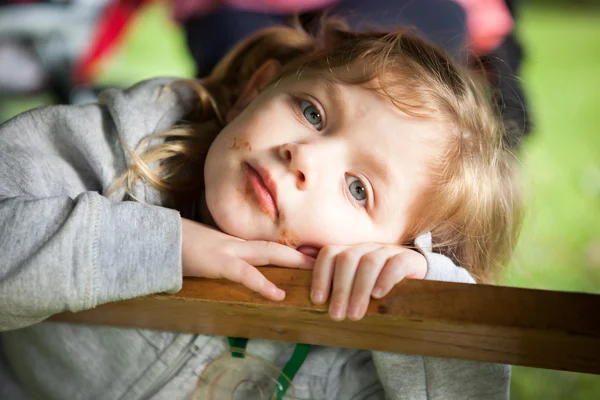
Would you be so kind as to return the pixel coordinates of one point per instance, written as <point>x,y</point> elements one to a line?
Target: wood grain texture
<point>546,329</point>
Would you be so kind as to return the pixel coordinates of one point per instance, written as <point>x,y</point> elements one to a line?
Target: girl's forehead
<point>349,74</point>
<point>389,85</point>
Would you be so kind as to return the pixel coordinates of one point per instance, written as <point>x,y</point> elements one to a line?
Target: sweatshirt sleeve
<point>63,245</point>
<point>440,267</point>
<point>410,377</point>
<point>414,377</point>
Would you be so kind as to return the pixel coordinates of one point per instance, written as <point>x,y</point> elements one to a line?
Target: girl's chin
<point>241,220</point>
<point>239,227</point>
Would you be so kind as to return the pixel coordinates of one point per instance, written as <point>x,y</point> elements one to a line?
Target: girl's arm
<point>63,246</point>
<point>70,254</point>
<point>402,376</point>
<point>413,377</point>
<point>409,377</point>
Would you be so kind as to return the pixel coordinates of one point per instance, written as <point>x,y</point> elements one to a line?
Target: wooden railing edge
<point>529,327</point>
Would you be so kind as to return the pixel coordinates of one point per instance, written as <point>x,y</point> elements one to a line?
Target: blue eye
<point>357,189</point>
<point>311,114</point>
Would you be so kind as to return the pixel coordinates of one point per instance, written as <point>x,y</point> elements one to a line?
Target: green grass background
<point>559,247</point>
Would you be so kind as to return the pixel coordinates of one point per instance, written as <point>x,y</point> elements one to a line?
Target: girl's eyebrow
<point>332,92</point>
<point>332,85</point>
<point>379,167</point>
<point>387,178</point>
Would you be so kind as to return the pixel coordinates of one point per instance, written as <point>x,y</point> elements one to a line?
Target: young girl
<point>353,154</point>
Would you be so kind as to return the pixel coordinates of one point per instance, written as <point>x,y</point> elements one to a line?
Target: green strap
<point>238,346</point>
<point>291,368</point>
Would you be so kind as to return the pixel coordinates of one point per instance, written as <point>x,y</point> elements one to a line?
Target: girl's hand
<point>209,253</point>
<point>359,272</point>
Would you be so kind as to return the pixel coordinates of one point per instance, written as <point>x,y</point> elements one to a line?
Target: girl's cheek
<point>306,230</point>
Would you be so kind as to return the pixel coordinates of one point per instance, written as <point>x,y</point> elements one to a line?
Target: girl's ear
<point>257,82</point>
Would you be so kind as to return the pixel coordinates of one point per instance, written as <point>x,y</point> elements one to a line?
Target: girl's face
<point>308,162</point>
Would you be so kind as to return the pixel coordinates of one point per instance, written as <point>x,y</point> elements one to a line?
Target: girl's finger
<point>369,269</point>
<point>262,252</point>
<point>323,273</point>
<point>241,272</point>
<point>310,251</point>
<point>394,271</point>
<point>346,264</point>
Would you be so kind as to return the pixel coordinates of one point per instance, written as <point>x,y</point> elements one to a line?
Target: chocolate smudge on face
<point>235,145</point>
<point>288,238</point>
<point>245,192</point>
<point>238,143</point>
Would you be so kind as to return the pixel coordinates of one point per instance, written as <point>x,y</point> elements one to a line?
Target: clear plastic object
<point>248,378</point>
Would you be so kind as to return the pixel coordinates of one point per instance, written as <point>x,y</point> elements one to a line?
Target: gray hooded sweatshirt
<point>66,247</point>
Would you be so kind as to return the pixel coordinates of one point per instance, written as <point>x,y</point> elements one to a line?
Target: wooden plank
<point>546,329</point>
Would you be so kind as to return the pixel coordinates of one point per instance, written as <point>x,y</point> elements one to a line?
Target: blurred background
<point>559,247</point>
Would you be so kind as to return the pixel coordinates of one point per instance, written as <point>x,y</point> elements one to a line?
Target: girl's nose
<point>300,162</point>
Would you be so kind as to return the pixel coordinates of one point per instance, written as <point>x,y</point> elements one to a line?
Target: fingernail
<point>278,293</point>
<point>355,311</point>
<point>317,296</point>
<point>377,292</point>
<point>336,311</point>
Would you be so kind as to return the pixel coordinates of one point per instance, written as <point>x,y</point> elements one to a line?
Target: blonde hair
<point>471,208</point>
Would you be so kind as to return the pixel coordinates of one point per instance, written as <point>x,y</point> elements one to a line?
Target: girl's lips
<point>265,189</point>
